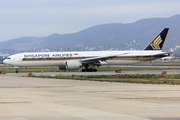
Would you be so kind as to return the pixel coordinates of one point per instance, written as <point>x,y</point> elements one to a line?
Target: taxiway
<point>97,73</point>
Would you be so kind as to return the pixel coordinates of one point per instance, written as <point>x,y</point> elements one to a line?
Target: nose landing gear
<point>17,71</point>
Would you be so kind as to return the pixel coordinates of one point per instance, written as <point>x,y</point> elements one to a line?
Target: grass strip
<point>55,69</point>
<point>124,78</point>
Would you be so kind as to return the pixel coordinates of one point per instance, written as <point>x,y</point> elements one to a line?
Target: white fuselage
<point>42,59</point>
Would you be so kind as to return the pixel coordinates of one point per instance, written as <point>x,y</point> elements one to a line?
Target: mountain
<point>116,35</point>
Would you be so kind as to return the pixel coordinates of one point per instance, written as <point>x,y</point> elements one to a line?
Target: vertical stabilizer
<point>158,42</point>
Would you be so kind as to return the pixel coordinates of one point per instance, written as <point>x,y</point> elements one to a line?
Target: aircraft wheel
<point>83,70</point>
<point>90,70</point>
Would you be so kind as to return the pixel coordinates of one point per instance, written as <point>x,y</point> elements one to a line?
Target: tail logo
<point>156,42</point>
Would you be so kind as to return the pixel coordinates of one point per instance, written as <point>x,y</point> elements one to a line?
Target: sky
<point>40,18</point>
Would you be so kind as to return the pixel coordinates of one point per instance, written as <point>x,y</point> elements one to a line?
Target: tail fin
<point>158,42</point>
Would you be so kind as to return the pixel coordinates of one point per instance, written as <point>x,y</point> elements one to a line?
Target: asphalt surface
<point>24,98</point>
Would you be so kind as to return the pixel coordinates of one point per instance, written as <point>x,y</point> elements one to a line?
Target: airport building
<point>2,56</point>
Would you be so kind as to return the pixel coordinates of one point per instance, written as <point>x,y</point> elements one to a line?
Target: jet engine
<point>70,65</point>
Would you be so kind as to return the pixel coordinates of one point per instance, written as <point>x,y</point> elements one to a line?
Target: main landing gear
<point>89,70</point>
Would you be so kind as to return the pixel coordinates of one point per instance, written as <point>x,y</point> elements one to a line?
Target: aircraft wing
<point>102,58</point>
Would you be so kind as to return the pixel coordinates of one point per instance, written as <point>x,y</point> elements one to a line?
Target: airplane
<point>89,59</point>
<point>171,57</point>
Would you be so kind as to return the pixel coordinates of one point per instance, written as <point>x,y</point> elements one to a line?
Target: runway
<point>24,98</point>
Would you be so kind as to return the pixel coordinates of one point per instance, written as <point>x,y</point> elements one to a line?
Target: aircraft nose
<point>5,61</point>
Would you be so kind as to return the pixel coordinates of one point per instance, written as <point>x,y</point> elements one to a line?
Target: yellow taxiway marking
<point>14,102</point>
<point>152,98</point>
<point>133,91</point>
<point>34,86</point>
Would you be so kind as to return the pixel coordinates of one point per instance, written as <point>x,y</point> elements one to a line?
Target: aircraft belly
<point>121,62</point>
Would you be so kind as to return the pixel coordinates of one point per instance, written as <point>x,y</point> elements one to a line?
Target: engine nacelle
<point>103,62</point>
<point>71,65</point>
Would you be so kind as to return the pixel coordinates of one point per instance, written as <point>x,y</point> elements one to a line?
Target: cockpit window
<point>8,58</point>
